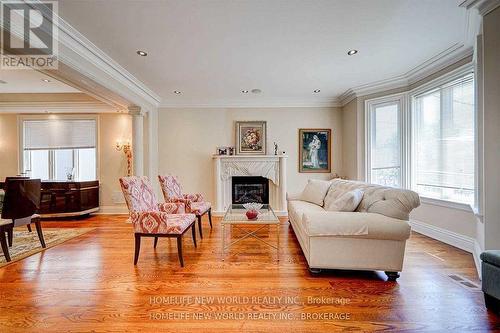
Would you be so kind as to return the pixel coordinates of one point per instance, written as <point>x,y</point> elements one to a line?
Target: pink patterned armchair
<point>194,203</point>
<point>151,219</point>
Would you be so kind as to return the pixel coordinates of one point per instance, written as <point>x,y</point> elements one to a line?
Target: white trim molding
<point>477,260</point>
<point>457,240</point>
<point>453,54</point>
<point>483,6</point>
<point>55,107</point>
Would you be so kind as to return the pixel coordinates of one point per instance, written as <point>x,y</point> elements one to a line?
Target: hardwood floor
<point>90,284</point>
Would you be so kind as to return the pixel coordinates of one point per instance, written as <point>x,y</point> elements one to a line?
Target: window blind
<point>59,134</point>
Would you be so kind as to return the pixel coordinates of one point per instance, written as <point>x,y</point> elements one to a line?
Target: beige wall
<point>8,145</point>
<point>188,139</point>
<point>349,140</point>
<point>112,163</point>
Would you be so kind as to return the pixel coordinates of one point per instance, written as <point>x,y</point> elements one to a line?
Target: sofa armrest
<point>357,225</point>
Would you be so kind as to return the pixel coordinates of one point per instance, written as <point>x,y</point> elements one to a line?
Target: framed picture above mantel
<point>251,137</point>
<point>315,150</point>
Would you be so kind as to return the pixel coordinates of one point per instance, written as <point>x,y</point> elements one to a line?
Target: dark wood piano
<point>68,198</point>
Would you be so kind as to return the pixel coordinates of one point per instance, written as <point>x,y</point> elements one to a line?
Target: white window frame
<point>20,124</point>
<point>407,103</point>
<point>370,105</point>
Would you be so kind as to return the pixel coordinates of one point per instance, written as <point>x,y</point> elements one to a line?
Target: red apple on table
<point>252,214</point>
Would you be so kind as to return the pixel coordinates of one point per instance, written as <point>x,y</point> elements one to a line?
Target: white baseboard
<point>112,209</point>
<point>477,261</point>
<point>443,235</point>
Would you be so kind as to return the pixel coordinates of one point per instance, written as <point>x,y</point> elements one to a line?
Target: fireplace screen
<point>250,189</point>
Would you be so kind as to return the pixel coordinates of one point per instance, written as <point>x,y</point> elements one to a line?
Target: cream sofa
<point>373,237</point>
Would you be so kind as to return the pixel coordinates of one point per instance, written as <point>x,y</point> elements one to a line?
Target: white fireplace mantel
<point>272,167</point>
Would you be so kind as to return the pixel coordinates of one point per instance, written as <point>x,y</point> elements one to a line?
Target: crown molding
<point>262,103</point>
<point>93,64</point>
<point>483,6</point>
<point>453,54</point>
<point>55,107</point>
<point>122,80</point>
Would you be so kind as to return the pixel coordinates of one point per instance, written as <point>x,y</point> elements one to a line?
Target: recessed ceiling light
<point>46,80</point>
<point>177,92</point>
<point>316,91</point>
<point>142,53</point>
<point>256,91</point>
<point>245,91</point>
<point>352,52</point>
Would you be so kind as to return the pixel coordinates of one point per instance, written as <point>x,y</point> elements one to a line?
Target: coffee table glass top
<point>235,214</point>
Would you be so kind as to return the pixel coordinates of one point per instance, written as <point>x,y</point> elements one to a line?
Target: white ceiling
<point>31,81</point>
<point>211,50</point>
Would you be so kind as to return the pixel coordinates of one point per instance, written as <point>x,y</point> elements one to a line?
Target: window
<point>443,142</point>
<point>60,149</point>
<point>385,143</point>
<point>427,145</point>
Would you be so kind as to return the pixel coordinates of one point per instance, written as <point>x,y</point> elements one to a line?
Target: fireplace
<point>250,189</point>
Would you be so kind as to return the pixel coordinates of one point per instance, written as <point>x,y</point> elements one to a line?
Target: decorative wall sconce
<point>127,149</point>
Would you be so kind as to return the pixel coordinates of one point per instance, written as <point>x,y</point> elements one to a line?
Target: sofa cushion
<point>354,224</point>
<point>297,208</point>
<point>347,202</point>
<point>315,191</point>
<point>392,202</point>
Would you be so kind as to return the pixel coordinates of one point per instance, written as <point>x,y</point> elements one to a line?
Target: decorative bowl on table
<point>252,210</point>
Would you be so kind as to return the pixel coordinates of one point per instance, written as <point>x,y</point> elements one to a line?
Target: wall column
<point>137,140</point>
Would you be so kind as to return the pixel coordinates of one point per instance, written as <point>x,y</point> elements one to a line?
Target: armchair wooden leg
<point>156,242</point>
<point>199,226</point>
<point>29,227</point>
<point>3,242</point>
<point>10,235</point>
<point>179,250</point>
<point>137,248</point>
<point>40,233</point>
<point>193,229</point>
<point>210,217</point>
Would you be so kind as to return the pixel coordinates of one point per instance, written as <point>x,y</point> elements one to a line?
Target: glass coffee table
<point>235,216</point>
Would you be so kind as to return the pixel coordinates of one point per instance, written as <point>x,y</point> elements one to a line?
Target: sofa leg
<point>392,276</point>
<point>314,271</point>
<point>492,303</point>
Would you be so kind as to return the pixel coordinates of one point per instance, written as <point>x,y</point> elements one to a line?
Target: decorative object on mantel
<point>275,148</point>
<point>251,137</point>
<point>222,151</point>
<point>127,149</point>
<point>315,150</point>
<point>225,151</point>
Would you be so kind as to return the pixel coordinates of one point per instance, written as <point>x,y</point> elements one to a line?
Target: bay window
<point>385,143</point>
<point>443,142</point>
<point>425,140</point>
<point>59,149</point>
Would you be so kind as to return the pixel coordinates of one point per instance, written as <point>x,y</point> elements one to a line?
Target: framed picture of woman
<point>315,150</point>
<point>250,137</point>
